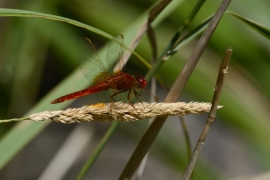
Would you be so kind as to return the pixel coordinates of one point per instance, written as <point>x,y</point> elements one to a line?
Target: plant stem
<point>222,71</point>
<point>98,150</point>
<point>150,135</point>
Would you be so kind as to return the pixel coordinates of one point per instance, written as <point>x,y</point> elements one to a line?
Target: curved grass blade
<point>22,13</point>
<point>254,25</point>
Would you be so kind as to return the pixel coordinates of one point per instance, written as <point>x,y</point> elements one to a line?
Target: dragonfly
<point>97,72</point>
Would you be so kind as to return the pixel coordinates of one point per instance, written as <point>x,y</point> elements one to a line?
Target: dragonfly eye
<point>141,82</point>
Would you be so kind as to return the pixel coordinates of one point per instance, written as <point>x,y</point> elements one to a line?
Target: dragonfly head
<point>141,82</point>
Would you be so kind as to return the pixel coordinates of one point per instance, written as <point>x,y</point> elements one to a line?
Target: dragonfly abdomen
<point>91,90</point>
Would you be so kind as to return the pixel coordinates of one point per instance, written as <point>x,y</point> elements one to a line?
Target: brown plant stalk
<point>150,135</point>
<point>222,72</point>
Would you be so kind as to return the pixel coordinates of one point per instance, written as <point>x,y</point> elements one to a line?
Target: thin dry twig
<point>122,112</point>
<point>222,72</point>
<point>150,135</point>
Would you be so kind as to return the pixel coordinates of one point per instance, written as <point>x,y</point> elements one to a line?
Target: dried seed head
<point>119,111</point>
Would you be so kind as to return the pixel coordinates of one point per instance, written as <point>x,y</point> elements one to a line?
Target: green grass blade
<point>23,13</point>
<point>90,162</point>
<point>254,25</point>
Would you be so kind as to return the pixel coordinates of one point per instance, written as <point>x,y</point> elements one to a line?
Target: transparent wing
<point>115,52</point>
<point>90,64</point>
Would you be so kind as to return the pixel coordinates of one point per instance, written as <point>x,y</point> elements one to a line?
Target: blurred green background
<point>36,55</point>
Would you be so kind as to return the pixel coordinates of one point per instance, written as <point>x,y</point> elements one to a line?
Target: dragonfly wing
<point>90,64</point>
<point>115,52</point>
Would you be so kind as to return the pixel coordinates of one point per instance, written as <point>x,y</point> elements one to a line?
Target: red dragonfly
<point>97,73</point>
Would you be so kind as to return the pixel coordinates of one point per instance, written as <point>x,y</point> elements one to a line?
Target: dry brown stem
<point>222,71</point>
<point>151,133</point>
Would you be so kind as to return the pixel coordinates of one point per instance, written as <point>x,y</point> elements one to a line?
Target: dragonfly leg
<point>130,97</point>
<point>116,93</point>
<point>112,99</point>
<point>136,96</point>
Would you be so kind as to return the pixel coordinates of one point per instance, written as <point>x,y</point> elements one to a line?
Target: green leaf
<point>254,25</point>
<point>23,13</point>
